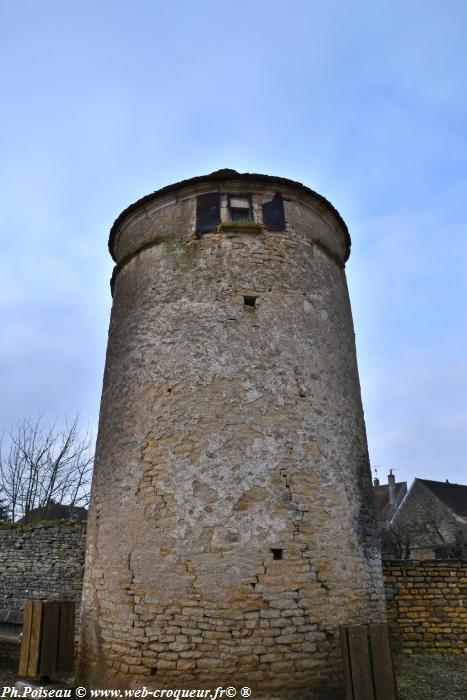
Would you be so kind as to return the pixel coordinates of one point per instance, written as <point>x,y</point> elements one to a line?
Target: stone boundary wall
<point>43,561</point>
<point>427,605</point>
<point>426,600</point>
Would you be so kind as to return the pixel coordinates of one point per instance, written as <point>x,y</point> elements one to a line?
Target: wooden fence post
<point>367,662</point>
<point>47,644</point>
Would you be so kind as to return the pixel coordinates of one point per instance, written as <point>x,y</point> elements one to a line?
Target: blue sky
<point>364,102</point>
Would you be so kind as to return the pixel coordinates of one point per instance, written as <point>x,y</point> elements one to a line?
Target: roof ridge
<point>443,483</point>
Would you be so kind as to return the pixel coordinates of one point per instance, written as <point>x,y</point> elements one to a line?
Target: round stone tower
<point>231,528</point>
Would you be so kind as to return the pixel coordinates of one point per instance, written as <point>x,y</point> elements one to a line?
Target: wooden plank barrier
<point>47,644</point>
<point>367,662</point>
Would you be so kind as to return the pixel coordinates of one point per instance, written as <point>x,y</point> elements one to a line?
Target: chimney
<point>392,487</point>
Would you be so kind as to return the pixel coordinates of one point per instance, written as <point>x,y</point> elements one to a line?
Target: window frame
<point>230,209</point>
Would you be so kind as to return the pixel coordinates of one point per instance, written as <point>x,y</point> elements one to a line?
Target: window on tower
<point>214,209</point>
<point>240,208</point>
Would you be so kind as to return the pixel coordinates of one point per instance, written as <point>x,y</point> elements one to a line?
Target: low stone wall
<point>426,600</point>
<point>427,605</point>
<point>43,561</point>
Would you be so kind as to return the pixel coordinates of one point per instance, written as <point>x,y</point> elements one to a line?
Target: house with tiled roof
<point>429,522</point>
<point>55,511</point>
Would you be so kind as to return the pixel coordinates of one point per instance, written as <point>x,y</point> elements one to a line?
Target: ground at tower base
<point>418,677</point>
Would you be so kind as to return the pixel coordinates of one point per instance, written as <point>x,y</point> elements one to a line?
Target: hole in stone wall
<point>249,301</point>
<point>277,554</point>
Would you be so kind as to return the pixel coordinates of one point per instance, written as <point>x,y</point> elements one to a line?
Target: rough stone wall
<point>231,461</point>
<point>426,606</point>
<point>44,561</point>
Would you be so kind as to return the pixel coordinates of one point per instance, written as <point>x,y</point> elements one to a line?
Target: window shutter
<point>207,212</point>
<point>273,213</point>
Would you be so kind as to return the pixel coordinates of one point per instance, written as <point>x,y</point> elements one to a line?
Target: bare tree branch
<point>44,465</point>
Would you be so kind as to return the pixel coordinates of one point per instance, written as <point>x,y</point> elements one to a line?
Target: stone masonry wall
<point>43,561</point>
<point>425,599</point>
<point>426,606</point>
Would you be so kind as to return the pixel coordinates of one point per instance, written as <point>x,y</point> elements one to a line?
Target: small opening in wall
<point>249,301</point>
<point>277,554</point>
<point>169,390</point>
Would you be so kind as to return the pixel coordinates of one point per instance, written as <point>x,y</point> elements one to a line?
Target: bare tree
<point>3,510</point>
<point>45,465</point>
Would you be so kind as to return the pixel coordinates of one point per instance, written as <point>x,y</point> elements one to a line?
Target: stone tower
<point>231,527</point>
